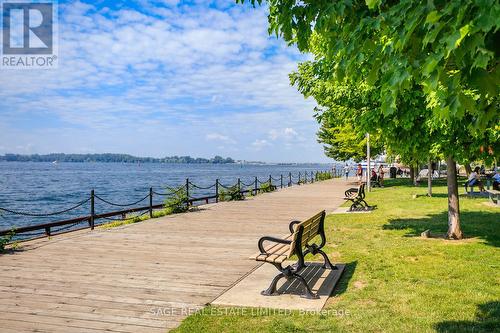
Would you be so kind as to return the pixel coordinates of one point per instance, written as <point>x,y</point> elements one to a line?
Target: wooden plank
<point>113,280</point>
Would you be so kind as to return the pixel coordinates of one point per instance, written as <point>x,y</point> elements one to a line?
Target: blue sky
<point>161,78</point>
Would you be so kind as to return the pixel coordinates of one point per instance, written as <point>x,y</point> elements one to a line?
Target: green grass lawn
<point>396,281</point>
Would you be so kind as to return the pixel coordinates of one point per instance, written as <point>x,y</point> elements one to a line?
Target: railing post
<point>290,179</point>
<point>92,210</point>
<point>187,192</point>
<point>239,185</point>
<point>151,202</point>
<point>217,190</point>
<point>256,186</point>
<point>281,181</point>
<point>270,181</point>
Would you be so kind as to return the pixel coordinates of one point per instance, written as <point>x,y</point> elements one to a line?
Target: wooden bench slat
<point>309,226</point>
<point>310,231</point>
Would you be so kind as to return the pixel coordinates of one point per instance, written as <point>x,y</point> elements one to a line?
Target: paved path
<point>146,277</point>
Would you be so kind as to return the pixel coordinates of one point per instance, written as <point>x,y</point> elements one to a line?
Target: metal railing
<point>189,188</point>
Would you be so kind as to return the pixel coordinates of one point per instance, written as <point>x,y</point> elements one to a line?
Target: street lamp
<point>368,165</point>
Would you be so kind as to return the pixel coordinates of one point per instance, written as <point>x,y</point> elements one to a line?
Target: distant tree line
<point>112,158</point>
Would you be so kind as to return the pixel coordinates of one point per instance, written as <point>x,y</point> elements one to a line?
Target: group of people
<point>377,175</point>
<point>374,177</point>
<point>475,179</point>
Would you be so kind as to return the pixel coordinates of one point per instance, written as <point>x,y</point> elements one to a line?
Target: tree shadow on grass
<point>463,196</point>
<point>487,320</point>
<point>482,225</point>
<point>391,182</point>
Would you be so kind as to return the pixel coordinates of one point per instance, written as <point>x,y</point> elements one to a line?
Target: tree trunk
<point>415,175</point>
<point>454,230</point>
<point>468,169</point>
<point>412,175</point>
<point>429,178</point>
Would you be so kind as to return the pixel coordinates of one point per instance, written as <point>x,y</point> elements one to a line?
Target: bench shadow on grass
<point>313,273</point>
<point>480,224</point>
<point>341,286</point>
<point>487,320</point>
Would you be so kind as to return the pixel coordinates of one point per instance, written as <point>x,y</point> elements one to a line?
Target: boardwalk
<point>145,277</point>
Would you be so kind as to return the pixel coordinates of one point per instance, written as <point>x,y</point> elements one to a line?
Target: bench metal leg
<point>356,206</point>
<point>327,264</point>
<point>308,292</point>
<point>271,291</point>
<point>365,204</point>
<point>314,249</point>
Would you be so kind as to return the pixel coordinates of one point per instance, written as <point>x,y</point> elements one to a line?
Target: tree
<point>449,49</point>
<point>355,110</point>
<point>343,142</point>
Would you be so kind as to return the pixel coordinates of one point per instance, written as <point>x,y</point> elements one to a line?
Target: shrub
<point>323,176</point>
<point>267,187</point>
<point>4,240</point>
<point>232,193</point>
<point>177,202</point>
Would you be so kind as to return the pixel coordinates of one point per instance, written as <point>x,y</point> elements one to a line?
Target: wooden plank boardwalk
<point>146,277</point>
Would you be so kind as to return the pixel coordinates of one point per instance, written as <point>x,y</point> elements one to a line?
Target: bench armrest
<point>351,191</point>
<point>271,239</point>
<point>290,226</point>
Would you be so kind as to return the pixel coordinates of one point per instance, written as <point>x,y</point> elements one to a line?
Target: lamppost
<point>368,165</point>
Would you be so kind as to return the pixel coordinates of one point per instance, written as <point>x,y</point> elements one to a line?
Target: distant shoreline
<point>125,158</point>
<point>112,158</point>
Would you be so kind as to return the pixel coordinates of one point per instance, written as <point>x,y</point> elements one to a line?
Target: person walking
<point>381,175</point>
<point>359,173</point>
<point>346,171</point>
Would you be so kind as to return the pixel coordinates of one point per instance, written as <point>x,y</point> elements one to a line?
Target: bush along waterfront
<point>232,193</point>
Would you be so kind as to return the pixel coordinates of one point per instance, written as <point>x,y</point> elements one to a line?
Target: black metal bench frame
<point>357,197</point>
<point>292,271</point>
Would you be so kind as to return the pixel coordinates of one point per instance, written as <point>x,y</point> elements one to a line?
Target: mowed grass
<point>396,281</point>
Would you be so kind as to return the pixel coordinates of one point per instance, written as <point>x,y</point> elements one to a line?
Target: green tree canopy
<point>450,48</point>
<point>422,75</point>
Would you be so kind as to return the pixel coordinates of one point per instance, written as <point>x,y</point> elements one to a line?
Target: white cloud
<point>290,132</point>
<point>173,70</point>
<point>260,143</point>
<point>219,137</point>
<point>286,134</point>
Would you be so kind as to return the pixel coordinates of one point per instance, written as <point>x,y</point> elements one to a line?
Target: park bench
<point>357,197</point>
<point>375,182</point>
<point>494,196</point>
<point>300,242</point>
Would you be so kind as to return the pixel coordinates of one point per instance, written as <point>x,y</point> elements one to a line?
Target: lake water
<point>46,187</point>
